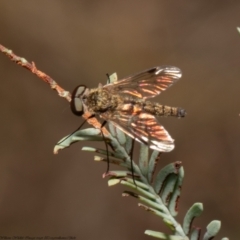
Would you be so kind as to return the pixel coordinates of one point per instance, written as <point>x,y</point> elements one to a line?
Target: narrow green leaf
<point>143,159</point>
<point>174,201</point>
<point>170,224</point>
<point>194,211</point>
<point>89,149</point>
<point>113,78</point>
<point>118,162</point>
<point>151,203</point>
<point>168,188</point>
<point>129,144</point>
<point>195,234</point>
<point>164,236</point>
<point>113,181</point>
<point>155,156</point>
<point>212,230</point>
<point>118,173</point>
<point>154,211</point>
<point>112,129</point>
<point>117,133</point>
<point>104,152</point>
<point>138,189</point>
<point>87,138</point>
<point>89,134</point>
<point>138,183</point>
<point>121,137</point>
<point>164,173</point>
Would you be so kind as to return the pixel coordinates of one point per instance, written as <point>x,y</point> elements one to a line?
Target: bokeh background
<point>78,42</point>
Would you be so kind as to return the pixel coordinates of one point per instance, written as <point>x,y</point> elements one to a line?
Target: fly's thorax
<point>100,100</point>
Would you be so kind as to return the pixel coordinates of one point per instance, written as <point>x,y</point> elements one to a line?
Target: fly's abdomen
<point>163,110</point>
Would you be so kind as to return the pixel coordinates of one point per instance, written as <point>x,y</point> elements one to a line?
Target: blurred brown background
<point>78,42</point>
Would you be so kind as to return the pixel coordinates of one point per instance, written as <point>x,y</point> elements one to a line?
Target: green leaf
<point>129,144</point>
<point>113,77</point>
<point>127,181</point>
<point>143,159</point>
<point>174,201</point>
<point>151,203</point>
<point>170,224</point>
<point>154,211</point>
<point>117,133</point>
<point>116,161</point>
<point>118,173</point>
<point>142,191</point>
<point>138,183</point>
<point>120,141</point>
<point>212,230</point>
<point>113,181</point>
<point>112,129</point>
<point>103,152</point>
<point>194,211</point>
<point>121,137</point>
<point>195,235</point>
<point>168,188</point>
<point>164,173</point>
<point>152,164</point>
<point>89,134</point>
<point>164,236</point>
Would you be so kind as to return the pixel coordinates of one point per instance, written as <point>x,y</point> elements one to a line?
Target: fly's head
<point>79,98</point>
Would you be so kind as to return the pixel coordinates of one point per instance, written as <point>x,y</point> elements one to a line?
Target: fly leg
<point>105,141</point>
<point>131,156</point>
<point>77,129</point>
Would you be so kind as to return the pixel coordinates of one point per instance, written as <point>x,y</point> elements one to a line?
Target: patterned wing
<point>148,83</point>
<point>144,128</point>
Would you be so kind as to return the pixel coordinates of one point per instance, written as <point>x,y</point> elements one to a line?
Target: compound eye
<point>76,103</point>
<point>78,91</point>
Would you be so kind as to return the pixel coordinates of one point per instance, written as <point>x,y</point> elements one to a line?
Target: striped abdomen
<point>131,106</point>
<point>158,109</point>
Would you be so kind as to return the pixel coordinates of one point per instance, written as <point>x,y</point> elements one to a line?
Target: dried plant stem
<point>61,92</point>
<point>32,67</point>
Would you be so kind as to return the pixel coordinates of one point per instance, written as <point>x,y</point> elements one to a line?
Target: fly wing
<point>148,83</point>
<point>144,128</point>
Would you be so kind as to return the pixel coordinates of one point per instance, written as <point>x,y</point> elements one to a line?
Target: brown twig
<point>61,92</point>
<point>32,67</point>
